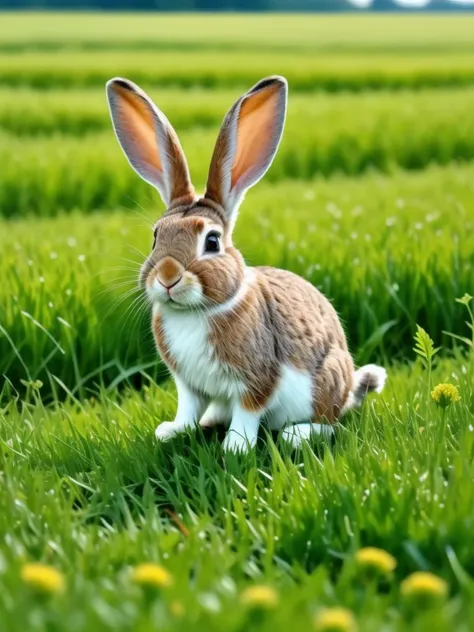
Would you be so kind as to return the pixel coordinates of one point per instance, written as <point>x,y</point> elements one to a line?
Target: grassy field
<point>344,133</point>
<point>371,198</point>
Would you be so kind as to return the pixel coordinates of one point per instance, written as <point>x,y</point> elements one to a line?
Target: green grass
<point>330,118</point>
<point>85,488</point>
<point>324,71</point>
<point>381,104</point>
<point>79,164</point>
<point>427,33</point>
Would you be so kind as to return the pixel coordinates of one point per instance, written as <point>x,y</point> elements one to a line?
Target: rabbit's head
<point>193,263</point>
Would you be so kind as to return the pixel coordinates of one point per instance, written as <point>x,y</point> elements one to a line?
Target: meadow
<point>371,198</point>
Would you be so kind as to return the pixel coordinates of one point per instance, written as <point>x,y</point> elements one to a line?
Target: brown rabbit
<point>243,344</point>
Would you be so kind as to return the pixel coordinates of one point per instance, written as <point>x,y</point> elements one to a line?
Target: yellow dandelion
<point>259,597</point>
<point>445,394</point>
<point>43,578</point>
<point>335,620</point>
<point>375,560</point>
<point>152,576</point>
<point>425,585</point>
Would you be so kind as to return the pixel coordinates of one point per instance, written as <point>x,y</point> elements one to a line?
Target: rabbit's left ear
<point>247,143</point>
<point>149,141</point>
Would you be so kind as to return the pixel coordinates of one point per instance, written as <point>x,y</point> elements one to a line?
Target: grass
<point>79,112</point>
<point>326,71</point>
<point>371,198</point>
<point>50,31</point>
<point>78,164</point>
<point>92,492</point>
<point>347,236</point>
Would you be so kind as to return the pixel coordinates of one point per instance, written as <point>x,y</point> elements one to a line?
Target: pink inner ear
<point>137,123</point>
<point>150,143</point>
<point>256,132</point>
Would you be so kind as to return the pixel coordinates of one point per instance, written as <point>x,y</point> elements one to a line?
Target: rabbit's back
<point>308,321</point>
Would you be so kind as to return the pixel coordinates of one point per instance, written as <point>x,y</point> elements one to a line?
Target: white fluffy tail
<point>368,379</point>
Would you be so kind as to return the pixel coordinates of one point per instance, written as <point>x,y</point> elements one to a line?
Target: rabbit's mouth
<point>185,293</point>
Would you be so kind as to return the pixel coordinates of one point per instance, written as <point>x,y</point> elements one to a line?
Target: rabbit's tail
<point>368,379</point>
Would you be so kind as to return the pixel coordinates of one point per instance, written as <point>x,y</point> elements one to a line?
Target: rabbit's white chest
<point>187,339</point>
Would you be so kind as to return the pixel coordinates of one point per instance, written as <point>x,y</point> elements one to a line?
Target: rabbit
<point>243,344</point>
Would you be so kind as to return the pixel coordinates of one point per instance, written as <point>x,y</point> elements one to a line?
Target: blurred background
<point>370,197</point>
<point>242,5</point>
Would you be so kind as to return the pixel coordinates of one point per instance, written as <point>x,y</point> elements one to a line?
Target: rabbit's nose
<point>169,272</point>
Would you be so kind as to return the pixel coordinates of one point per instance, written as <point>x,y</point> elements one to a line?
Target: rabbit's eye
<point>154,239</point>
<point>212,243</point>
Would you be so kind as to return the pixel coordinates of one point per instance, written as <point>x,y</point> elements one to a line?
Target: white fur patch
<point>293,399</point>
<point>295,435</point>
<point>156,292</point>
<point>187,337</point>
<point>377,372</point>
<point>355,399</point>
<point>186,293</point>
<point>217,413</point>
<point>243,431</point>
<point>168,430</point>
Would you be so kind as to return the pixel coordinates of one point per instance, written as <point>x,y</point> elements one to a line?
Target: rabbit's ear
<point>148,141</point>
<point>247,142</point>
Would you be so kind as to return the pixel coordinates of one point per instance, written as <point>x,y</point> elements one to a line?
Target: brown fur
<point>161,343</point>
<point>168,271</point>
<point>222,279</point>
<point>284,320</point>
<point>243,339</point>
<point>214,184</point>
<point>176,236</point>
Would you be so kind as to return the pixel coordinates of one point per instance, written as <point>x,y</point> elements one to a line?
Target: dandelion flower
<point>152,576</point>
<point>43,578</point>
<point>375,560</point>
<point>335,620</point>
<point>445,394</point>
<point>424,585</point>
<point>259,597</point>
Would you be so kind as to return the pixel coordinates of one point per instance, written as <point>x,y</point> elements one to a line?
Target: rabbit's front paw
<point>167,430</point>
<point>235,442</point>
<point>295,435</point>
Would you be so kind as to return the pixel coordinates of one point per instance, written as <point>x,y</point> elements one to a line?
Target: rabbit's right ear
<point>247,143</point>
<point>148,141</point>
